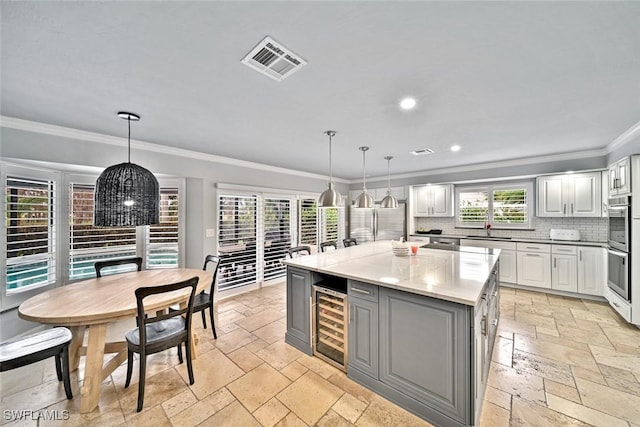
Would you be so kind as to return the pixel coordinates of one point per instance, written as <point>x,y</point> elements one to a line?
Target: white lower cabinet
<point>564,268</point>
<point>592,270</point>
<point>534,265</point>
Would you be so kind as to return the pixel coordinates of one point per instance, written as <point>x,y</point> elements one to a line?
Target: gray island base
<point>419,329</point>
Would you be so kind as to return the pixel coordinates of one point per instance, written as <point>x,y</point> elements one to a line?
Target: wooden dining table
<point>92,304</point>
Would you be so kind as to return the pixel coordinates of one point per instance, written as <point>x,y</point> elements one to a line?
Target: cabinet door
<point>613,180</point>
<point>534,269</point>
<point>585,200</point>
<point>441,200</point>
<point>564,273</point>
<point>363,336</point>
<point>592,277</point>
<point>299,309</point>
<point>420,201</point>
<point>508,266</point>
<point>623,176</point>
<point>551,196</point>
<point>426,351</point>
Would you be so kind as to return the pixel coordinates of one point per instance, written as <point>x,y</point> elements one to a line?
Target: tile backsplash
<point>591,229</point>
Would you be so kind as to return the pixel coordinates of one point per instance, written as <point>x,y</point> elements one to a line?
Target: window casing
<point>504,205</point>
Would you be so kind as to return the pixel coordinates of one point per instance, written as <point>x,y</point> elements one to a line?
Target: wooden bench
<point>39,346</point>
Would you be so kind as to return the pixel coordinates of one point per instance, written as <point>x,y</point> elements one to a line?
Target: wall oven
<point>618,254</point>
<point>619,223</point>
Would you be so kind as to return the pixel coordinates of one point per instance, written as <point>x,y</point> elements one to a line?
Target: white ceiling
<point>504,80</point>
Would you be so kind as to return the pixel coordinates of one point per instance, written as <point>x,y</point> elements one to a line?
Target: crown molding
<point>493,165</point>
<point>629,135</point>
<point>65,132</point>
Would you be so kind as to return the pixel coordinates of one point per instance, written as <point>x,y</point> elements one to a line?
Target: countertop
<point>518,239</point>
<point>447,275</point>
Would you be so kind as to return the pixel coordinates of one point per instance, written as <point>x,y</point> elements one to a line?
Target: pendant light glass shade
<point>364,199</point>
<point>126,194</point>
<point>389,201</point>
<point>330,198</point>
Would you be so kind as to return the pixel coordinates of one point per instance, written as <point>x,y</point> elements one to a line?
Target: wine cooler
<point>329,323</point>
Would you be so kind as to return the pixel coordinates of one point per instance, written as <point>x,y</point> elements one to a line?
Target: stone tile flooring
<point>557,362</point>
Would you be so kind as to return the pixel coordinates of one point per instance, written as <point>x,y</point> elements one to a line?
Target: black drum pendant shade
<point>126,194</point>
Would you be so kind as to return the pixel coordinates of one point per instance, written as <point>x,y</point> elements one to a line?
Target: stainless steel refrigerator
<point>367,225</point>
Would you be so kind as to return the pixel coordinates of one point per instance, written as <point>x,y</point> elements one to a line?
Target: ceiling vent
<point>422,152</point>
<point>273,59</point>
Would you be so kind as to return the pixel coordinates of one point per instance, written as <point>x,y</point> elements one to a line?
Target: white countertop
<point>517,239</point>
<point>448,275</point>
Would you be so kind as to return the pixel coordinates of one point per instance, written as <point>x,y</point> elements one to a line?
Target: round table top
<point>108,298</point>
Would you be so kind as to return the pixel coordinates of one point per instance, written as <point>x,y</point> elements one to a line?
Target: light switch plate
<point>210,232</point>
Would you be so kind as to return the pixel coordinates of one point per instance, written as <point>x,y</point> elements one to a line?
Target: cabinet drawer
<point>620,305</point>
<point>418,239</point>
<point>533,247</point>
<point>564,249</point>
<point>362,290</point>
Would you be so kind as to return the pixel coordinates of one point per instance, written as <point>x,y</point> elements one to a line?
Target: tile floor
<point>557,362</point>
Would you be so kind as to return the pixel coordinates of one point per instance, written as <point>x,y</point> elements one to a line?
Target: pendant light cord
<point>330,166</point>
<point>364,172</point>
<point>389,174</point>
<point>129,140</point>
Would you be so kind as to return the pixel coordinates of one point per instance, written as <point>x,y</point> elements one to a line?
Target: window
<point>30,223</point>
<point>163,239</point>
<point>88,244</point>
<point>501,205</point>
<point>308,222</point>
<point>237,240</point>
<point>332,224</point>
<point>277,236</point>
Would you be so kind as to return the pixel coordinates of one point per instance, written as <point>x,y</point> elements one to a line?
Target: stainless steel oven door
<point>618,279</point>
<point>618,232</point>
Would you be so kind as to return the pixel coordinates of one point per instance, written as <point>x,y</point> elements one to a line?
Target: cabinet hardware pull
<point>555,262</point>
<point>483,325</point>
<point>495,322</point>
<point>536,255</point>
<point>616,304</point>
<point>571,208</point>
<point>362,291</point>
<point>564,209</point>
<point>580,254</point>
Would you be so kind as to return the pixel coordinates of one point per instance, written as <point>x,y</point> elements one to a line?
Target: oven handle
<point>618,253</point>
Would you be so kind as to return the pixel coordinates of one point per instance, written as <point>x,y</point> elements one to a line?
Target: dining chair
<point>116,262</point>
<point>35,347</point>
<point>298,250</point>
<point>330,244</point>
<point>204,300</point>
<point>349,242</point>
<point>159,331</point>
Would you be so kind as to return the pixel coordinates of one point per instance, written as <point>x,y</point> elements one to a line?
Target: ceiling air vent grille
<point>273,60</point>
<point>422,152</point>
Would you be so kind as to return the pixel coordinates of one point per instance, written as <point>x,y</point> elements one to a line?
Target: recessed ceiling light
<point>455,148</point>
<point>408,103</point>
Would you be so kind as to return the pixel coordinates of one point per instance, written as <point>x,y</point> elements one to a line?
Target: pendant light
<point>364,200</point>
<point>389,201</point>
<point>126,194</point>
<point>330,198</point>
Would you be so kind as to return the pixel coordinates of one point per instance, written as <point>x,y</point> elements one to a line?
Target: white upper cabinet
<point>620,178</point>
<point>571,195</point>
<point>432,200</point>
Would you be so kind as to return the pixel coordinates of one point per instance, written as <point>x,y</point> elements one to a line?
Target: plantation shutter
<point>277,235</point>
<point>237,240</point>
<point>30,218</point>
<point>87,243</point>
<point>163,238</point>
<point>473,207</point>
<point>510,206</point>
<point>308,222</point>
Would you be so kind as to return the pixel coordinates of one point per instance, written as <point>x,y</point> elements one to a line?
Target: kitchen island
<point>419,329</point>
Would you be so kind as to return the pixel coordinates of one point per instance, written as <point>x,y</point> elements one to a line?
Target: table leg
<point>93,368</point>
<point>77,333</point>
<point>194,336</point>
